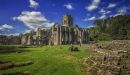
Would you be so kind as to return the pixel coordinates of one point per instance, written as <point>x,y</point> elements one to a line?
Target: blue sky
<point>21,16</point>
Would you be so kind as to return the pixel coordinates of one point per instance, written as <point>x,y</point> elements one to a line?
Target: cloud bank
<point>33,20</point>
<point>6,27</point>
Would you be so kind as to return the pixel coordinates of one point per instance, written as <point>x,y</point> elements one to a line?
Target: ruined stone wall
<point>64,34</point>
<point>24,40</point>
<point>39,35</point>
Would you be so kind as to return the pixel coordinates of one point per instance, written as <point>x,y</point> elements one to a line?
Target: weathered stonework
<point>66,33</point>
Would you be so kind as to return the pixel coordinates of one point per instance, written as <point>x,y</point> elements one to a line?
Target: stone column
<point>60,35</point>
<point>65,36</point>
<point>69,35</point>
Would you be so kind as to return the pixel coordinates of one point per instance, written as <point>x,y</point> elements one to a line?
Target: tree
<point>114,27</point>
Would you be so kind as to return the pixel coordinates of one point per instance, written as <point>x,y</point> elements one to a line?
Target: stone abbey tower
<point>67,33</point>
<point>67,20</point>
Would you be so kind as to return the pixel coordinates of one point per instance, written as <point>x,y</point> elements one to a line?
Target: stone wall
<point>67,33</point>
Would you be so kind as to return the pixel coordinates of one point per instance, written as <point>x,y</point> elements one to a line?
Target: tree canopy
<point>117,28</point>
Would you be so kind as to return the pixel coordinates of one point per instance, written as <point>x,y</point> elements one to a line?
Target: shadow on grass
<point>12,49</point>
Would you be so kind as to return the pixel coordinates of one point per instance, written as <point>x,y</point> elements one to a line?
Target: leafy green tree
<point>111,28</point>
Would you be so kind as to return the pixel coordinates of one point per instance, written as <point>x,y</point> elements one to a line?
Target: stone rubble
<point>112,60</point>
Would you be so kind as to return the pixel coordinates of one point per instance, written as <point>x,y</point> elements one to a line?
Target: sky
<point>21,16</point>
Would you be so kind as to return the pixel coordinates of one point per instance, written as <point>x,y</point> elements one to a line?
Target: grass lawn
<point>48,60</point>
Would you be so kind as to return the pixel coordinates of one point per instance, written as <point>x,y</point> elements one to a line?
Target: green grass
<point>48,60</point>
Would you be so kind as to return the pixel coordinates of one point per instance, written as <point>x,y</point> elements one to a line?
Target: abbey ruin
<point>67,33</point>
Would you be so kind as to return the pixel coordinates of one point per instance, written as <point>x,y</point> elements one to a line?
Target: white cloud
<point>27,31</point>
<point>111,5</point>
<point>102,17</point>
<point>89,19</point>
<point>6,27</point>
<point>69,6</point>
<point>121,11</point>
<point>103,11</point>
<point>93,5</point>
<point>14,34</point>
<point>108,12</point>
<point>90,26</point>
<point>33,20</point>
<point>92,18</point>
<point>33,4</point>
